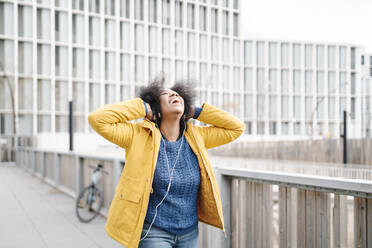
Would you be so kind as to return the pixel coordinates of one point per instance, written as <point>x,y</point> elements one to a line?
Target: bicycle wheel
<point>89,203</point>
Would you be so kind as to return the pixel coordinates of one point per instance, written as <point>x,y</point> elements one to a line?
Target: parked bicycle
<point>90,199</point>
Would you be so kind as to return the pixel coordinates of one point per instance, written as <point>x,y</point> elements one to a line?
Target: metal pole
<point>345,138</point>
<point>71,126</point>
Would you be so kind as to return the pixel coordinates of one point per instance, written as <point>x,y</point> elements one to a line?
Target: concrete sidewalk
<point>35,215</point>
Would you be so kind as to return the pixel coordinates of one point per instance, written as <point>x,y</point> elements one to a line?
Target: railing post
<point>43,165</point>
<point>32,161</point>
<point>216,237</point>
<point>78,175</point>
<point>57,169</point>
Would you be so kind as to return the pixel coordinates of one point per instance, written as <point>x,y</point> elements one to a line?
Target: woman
<point>167,184</point>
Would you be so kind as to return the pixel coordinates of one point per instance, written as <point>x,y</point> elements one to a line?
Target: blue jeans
<point>158,238</point>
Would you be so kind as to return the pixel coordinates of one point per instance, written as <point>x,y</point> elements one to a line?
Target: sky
<point>337,21</point>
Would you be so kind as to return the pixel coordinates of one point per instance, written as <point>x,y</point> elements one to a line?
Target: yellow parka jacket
<point>141,141</point>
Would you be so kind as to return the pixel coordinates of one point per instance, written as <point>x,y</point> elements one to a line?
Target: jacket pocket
<point>130,190</point>
<point>126,206</point>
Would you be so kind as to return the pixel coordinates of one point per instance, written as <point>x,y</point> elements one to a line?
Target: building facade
<point>98,52</point>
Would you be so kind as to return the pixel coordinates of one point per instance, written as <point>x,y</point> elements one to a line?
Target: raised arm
<point>224,128</point>
<point>111,120</point>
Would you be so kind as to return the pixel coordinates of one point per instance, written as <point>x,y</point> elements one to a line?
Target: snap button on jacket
<point>141,141</point>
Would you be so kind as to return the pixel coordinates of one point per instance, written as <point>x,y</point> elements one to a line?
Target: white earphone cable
<point>170,180</point>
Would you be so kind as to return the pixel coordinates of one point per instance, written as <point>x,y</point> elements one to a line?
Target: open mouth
<point>175,101</point>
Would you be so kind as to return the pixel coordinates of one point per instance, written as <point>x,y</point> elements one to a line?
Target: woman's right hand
<point>149,112</point>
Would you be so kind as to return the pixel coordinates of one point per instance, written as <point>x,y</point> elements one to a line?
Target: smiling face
<point>171,103</point>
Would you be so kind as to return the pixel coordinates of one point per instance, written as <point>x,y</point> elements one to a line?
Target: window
<point>297,55</point>
<point>273,80</point>
<point>331,57</point>
<point>25,26</point>
<point>191,45</point>
<point>77,4</point>
<point>261,105</point>
<point>139,34</point>
<point>236,24</point>
<point>320,56</point>
<point>320,83</point>
<point>94,6</point>
<point>125,36</point>
<point>352,58</point>
<point>166,12</point>
<point>78,62</point>
<point>225,22</point>
<point>61,96</point>
<point>342,58</point>
<point>237,52</point>
<point>308,56</point>
<point>215,48</point>
<point>6,17</point>
<point>285,54</point>
<point>203,47</point>
<point>320,109</point>
<point>125,8</point>
<point>153,10</point>
<point>43,95</point>
<point>248,53</point>
<point>214,20</point>
<point>43,24</point>
<point>273,112</point>
<point>43,59</point>
<point>297,107</point>
<point>77,28</point>
<point>110,7</point>
<point>110,93</point>
<point>309,82</point>
<point>343,83</point>
<point>272,54</point>
<point>178,13</point>
<point>237,82</point>
<point>153,67</point>
<point>110,66</point>
<point>332,87</point>
<point>248,81</point>
<point>179,70</point>
<point>110,37</point>
<point>332,108</point>
<point>94,31</point>
<point>25,90</point>
<point>94,96</point>
<point>166,42</point>
<point>297,81</point>
<point>138,10</point>
<point>285,81</point>
<point>25,58</point>
<point>190,16</point>
<point>260,80</point>
<point>139,69</point>
<point>308,107</point>
<point>153,37</point>
<point>179,44</point>
<point>79,98</point>
<point>285,107</point>
<point>260,53</point>
<point>61,62</point>
<point>94,61</point>
<point>352,83</point>
<point>125,72</point>
<point>203,18</point>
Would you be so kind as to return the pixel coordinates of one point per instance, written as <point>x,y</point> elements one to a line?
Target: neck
<point>170,128</point>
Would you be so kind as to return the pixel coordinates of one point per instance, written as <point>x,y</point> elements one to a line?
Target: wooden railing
<point>265,203</point>
<point>300,207</point>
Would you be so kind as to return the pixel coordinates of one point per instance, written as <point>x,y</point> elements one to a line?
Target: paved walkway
<point>35,215</point>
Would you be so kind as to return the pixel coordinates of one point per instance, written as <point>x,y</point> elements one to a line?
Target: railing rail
<point>262,206</point>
